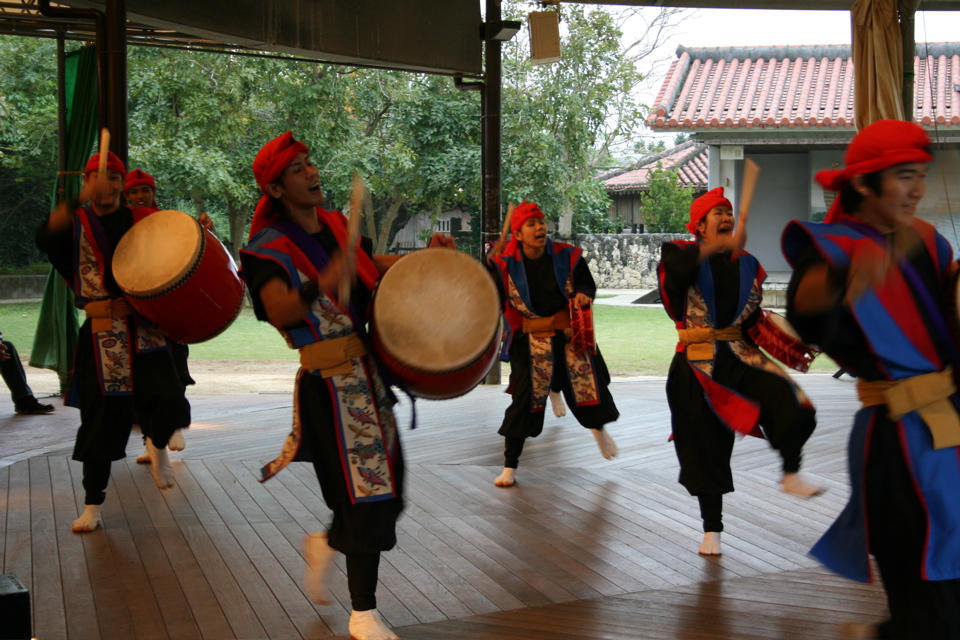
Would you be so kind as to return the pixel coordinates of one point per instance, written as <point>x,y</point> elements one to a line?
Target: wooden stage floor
<point>582,548</point>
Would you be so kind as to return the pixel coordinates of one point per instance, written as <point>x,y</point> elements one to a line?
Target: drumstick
<point>349,267</point>
<point>751,171</point>
<point>104,150</point>
<point>506,229</point>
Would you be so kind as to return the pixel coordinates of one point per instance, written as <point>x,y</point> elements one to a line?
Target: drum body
<point>179,275</point>
<point>773,334</point>
<point>435,322</point>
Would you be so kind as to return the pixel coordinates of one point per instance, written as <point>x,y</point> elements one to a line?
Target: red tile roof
<point>802,86</point>
<point>690,159</point>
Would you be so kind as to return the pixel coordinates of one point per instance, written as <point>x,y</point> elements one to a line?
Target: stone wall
<point>22,287</point>
<point>624,260</point>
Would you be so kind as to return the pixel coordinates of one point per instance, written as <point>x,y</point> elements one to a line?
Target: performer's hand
<point>439,240</point>
<point>329,279</point>
<point>582,300</point>
<point>868,266</point>
<point>94,189</point>
<point>4,354</point>
<point>205,221</point>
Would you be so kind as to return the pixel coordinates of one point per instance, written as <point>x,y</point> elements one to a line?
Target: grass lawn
<point>635,341</point>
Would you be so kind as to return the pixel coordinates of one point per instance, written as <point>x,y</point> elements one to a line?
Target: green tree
<point>563,121</point>
<point>666,206</point>
<point>28,143</point>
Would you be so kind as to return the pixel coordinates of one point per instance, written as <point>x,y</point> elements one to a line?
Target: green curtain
<point>58,325</point>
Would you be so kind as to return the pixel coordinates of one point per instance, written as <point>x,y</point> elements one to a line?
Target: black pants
<point>360,531</point>
<point>919,609</point>
<point>13,374</point>
<point>704,444</point>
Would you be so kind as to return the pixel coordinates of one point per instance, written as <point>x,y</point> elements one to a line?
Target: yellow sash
<point>332,357</point>
<point>928,395</point>
<point>699,342</point>
<point>545,327</point>
<point>102,312</point>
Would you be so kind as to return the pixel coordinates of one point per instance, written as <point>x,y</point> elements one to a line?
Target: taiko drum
<point>178,275</point>
<point>435,322</point>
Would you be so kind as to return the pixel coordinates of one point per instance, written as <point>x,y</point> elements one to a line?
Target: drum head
<point>157,253</point>
<point>436,310</point>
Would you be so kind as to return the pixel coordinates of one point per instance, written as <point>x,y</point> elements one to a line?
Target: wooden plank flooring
<point>581,548</point>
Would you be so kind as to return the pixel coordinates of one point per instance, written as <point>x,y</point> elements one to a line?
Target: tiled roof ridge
<point>923,49</point>
<point>666,153</point>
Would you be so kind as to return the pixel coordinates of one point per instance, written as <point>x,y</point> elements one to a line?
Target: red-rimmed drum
<point>435,322</point>
<point>581,328</point>
<point>179,275</point>
<point>773,334</point>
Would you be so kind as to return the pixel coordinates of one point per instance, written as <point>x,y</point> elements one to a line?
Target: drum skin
<point>435,322</point>
<point>201,299</point>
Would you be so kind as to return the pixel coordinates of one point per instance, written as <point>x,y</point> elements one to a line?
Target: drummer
<point>538,278</point>
<point>342,419</point>
<point>870,286</point>
<point>140,191</point>
<point>121,364</point>
<point>720,384</point>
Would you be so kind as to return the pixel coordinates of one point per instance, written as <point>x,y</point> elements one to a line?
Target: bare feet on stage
<point>506,479</point>
<point>556,401</point>
<point>89,519</point>
<point>711,544</point>
<point>177,443</point>
<point>608,448</point>
<point>368,625</point>
<point>160,467</point>
<point>799,485</point>
<point>319,555</point>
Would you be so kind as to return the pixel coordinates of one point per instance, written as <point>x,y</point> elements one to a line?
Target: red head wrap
<point>113,164</point>
<point>138,177</point>
<point>879,146</point>
<point>271,160</point>
<point>702,206</point>
<point>523,212</point>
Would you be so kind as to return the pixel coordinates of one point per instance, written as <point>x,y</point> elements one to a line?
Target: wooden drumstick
<point>751,172</point>
<point>349,267</point>
<point>507,219</point>
<point>104,150</point>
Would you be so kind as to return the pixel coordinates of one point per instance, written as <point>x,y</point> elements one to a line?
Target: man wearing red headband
<point>870,287</point>
<point>123,364</point>
<point>140,189</point>
<point>720,383</point>
<point>538,279</point>
<point>342,418</point>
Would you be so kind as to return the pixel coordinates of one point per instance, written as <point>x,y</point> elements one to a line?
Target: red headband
<point>702,206</point>
<point>138,177</point>
<point>883,144</point>
<point>523,212</point>
<point>113,164</point>
<point>268,166</point>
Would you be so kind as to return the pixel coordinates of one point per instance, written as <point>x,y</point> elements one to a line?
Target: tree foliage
<point>196,121</point>
<point>666,207</point>
<point>28,144</point>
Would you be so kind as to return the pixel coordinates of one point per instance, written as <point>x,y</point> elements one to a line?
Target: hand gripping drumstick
<point>349,267</point>
<point>751,171</point>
